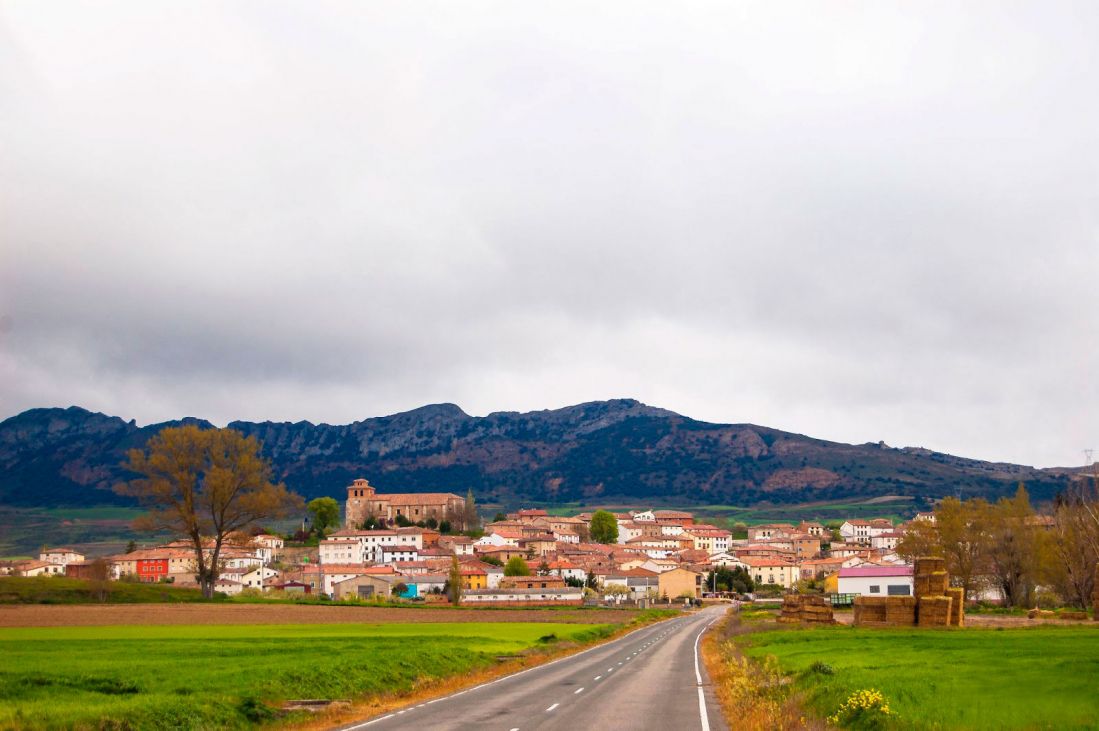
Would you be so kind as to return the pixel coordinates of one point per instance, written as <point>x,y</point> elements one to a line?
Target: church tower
<point>359,497</point>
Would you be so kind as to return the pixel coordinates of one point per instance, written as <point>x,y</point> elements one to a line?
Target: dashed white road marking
<point>552,707</point>
<point>578,691</point>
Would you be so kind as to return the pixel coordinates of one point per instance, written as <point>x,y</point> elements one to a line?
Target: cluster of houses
<point>660,554</point>
<point>246,562</point>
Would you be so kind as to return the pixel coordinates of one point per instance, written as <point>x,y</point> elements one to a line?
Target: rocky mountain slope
<point>603,451</point>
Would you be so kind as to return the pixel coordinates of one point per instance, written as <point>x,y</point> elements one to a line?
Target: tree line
<point>1007,546</point>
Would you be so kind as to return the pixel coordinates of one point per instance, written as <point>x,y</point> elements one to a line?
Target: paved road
<point>649,679</point>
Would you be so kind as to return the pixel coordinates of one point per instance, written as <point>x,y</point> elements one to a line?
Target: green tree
<point>736,579</point>
<point>444,527</point>
<point>543,568</point>
<point>604,527</point>
<point>498,517</point>
<point>1015,548</point>
<point>454,582</point>
<point>962,528</point>
<point>494,560</point>
<point>326,514</point>
<point>131,546</point>
<point>204,485</point>
<point>516,566</point>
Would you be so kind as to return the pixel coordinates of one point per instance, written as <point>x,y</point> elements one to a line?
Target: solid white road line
<point>552,707</point>
<point>698,678</point>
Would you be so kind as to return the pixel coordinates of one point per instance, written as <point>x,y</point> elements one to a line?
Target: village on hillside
<point>400,547</point>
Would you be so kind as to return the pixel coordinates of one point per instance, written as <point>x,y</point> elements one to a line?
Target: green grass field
<point>894,510</point>
<point>62,590</point>
<point>1033,678</point>
<point>216,676</point>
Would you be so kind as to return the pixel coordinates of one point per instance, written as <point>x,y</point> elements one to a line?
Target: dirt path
<point>33,615</point>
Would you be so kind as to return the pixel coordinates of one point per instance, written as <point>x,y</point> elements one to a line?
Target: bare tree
<point>1075,544</point>
<point>204,485</point>
<point>100,579</point>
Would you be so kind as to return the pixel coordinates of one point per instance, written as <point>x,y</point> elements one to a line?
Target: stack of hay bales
<point>957,606</point>
<point>810,608</point>
<point>870,611</point>
<point>900,611</point>
<point>937,604</point>
<point>885,611</point>
<point>933,604</point>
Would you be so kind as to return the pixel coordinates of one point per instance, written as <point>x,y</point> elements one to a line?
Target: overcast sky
<point>860,221</point>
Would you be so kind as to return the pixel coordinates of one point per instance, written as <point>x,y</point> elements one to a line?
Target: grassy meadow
<point>1028,678</point>
<point>217,676</point>
<point>63,590</point>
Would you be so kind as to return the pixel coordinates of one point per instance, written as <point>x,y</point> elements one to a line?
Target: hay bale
<point>921,585</point>
<point>929,564</point>
<point>870,610</point>
<point>900,611</point>
<point>934,611</point>
<point>939,582</point>
<point>1073,615</point>
<point>957,606</point>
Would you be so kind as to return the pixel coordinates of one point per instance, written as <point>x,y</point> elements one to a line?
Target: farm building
<point>876,580</point>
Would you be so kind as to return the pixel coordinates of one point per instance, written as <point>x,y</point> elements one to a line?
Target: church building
<point>364,501</point>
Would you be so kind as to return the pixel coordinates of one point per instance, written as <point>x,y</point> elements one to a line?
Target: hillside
<point>604,451</point>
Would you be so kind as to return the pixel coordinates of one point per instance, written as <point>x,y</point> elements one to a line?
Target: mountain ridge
<point>596,451</point>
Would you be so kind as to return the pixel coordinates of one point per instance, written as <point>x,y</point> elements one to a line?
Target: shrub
<point>866,709</point>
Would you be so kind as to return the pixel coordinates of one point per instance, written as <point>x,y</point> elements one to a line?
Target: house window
<point>875,589</point>
<point>899,590</point>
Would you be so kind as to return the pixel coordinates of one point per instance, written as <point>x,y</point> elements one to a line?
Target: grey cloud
<point>862,222</point>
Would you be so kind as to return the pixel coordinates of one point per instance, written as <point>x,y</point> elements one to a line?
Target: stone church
<point>363,501</point>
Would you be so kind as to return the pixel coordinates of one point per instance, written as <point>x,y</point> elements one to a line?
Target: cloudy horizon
<point>861,221</point>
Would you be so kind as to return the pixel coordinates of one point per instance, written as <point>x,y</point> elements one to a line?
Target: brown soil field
<point>32,615</point>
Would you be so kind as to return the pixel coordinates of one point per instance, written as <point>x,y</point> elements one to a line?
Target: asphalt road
<point>649,679</point>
